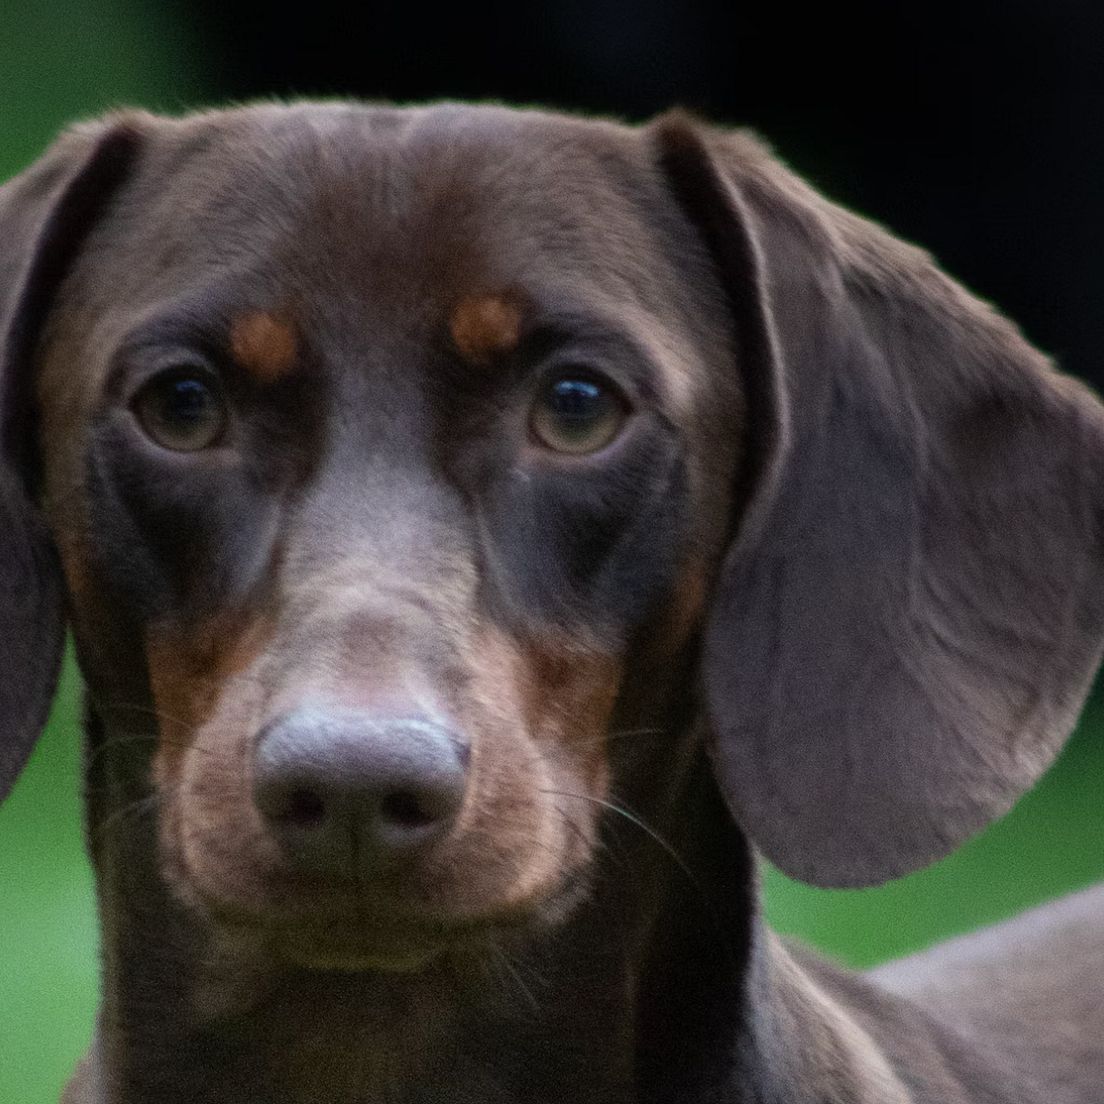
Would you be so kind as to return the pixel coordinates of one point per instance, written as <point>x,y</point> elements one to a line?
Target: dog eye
<point>578,413</point>
<point>182,409</point>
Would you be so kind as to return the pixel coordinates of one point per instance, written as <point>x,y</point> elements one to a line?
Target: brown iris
<point>578,413</point>
<point>182,409</point>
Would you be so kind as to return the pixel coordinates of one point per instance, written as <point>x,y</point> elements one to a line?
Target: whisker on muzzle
<point>132,810</point>
<point>637,821</point>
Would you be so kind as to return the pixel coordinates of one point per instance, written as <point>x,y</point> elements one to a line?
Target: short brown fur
<point>541,709</point>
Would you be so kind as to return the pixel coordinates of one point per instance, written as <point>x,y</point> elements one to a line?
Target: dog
<point>481,532</point>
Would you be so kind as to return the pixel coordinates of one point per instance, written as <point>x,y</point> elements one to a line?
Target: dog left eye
<point>182,409</point>
<point>578,413</point>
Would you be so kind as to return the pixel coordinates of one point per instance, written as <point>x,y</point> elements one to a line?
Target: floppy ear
<point>912,607</point>
<point>44,215</point>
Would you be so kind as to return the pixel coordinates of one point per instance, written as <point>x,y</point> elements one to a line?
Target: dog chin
<point>389,955</point>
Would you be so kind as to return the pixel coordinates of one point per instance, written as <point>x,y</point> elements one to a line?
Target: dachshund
<point>484,532</point>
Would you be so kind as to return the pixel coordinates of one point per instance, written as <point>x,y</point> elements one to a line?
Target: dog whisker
<point>133,810</point>
<point>638,822</point>
<point>503,959</point>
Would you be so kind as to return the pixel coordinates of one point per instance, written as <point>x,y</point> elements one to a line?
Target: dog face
<point>365,438</point>
<point>397,461</point>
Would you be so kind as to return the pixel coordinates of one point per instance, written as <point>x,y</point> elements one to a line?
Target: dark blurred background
<point>976,130</point>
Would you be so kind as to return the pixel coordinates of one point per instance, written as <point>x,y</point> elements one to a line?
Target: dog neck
<point>662,987</point>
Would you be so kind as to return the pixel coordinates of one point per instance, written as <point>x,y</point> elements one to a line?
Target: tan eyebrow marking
<point>264,344</point>
<point>485,325</point>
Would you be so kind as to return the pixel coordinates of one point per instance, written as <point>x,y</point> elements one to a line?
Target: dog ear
<point>45,214</point>
<point>912,606</point>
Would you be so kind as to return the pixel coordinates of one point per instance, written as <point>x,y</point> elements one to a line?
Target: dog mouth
<point>327,945</point>
<point>359,944</point>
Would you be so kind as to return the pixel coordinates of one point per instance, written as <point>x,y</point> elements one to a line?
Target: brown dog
<point>476,526</point>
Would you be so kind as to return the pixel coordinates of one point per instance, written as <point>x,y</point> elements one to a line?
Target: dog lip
<point>343,944</point>
<point>344,939</point>
<point>351,945</point>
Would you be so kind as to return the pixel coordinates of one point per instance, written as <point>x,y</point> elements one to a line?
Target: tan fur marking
<point>570,691</point>
<point>264,345</point>
<point>187,675</point>
<point>484,326</point>
<point>208,709</point>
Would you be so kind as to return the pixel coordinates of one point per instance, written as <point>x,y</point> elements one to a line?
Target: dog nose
<point>344,790</point>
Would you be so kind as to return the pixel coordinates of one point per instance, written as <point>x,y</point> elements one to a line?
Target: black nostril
<point>304,809</point>
<point>406,810</point>
<point>285,803</point>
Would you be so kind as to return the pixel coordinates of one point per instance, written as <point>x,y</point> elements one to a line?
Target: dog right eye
<point>183,409</point>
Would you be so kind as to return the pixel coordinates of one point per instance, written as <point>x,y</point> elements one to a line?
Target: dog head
<point>390,464</point>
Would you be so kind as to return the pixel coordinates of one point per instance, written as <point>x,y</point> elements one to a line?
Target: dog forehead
<point>345,193</point>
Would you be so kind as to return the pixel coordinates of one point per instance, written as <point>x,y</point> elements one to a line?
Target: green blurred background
<point>63,61</point>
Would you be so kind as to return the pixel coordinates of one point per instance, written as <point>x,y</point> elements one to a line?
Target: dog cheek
<point>547,773</point>
<point>224,853</point>
<point>573,688</point>
<point>506,844</point>
<point>510,846</point>
<point>209,697</point>
<point>574,692</point>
